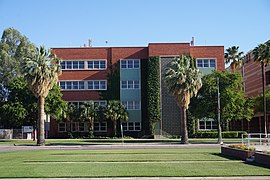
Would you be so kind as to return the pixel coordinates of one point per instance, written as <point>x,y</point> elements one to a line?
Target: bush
<point>214,134</point>
<point>242,147</point>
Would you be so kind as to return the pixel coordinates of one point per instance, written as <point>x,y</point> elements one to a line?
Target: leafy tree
<point>21,97</point>
<point>41,72</point>
<point>183,80</point>
<point>11,45</point>
<point>89,112</point>
<point>115,111</point>
<point>262,55</point>
<point>234,57</point>
<point>233,104</point>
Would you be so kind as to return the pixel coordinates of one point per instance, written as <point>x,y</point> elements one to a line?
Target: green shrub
<point>214,134</point>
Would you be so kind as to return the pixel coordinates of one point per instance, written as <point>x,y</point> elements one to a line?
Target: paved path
<point>10,148</point>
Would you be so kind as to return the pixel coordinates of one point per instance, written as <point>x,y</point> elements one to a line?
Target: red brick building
<point>252,77</point>
<point>84,78</point>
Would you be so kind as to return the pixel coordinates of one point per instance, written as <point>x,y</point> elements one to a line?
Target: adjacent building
<point>252,78</point>
<point>100,73</point>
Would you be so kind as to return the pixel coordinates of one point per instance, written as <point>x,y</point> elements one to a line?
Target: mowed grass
<point>123,163</point>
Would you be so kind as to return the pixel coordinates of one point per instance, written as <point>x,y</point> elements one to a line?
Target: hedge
<point>214,134</point>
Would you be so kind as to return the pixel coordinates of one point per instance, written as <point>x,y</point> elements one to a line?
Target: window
<point>75,85</point>
<point>267,78</point>
<point>132,105</point>
<point>123,64</point>
<point>130,64</point>
<point>100,126</point>
<point>130,84</point>
<point>206,63</point>
<point>124,126</point>
<point>80,85</point>
<point>131,126</point>
<point>79,64</point>
<point>97,64</point>
<point>207,124</point>
<point>78,127</point>
<point>62,127</point>
<point>81,127</point>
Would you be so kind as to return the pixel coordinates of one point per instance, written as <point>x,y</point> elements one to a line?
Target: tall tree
<point>115,111</point>
<point>233,104</point>
<point>41,72</point>
<point>234,57</point>
<point>183,81</point>
<point>11,45</point>
<point>89,112</point>
<point>262,55</point>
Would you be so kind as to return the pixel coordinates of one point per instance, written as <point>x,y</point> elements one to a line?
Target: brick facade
<point>113,55</point>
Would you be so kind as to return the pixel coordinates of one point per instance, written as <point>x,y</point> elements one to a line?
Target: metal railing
<point>256,139</point>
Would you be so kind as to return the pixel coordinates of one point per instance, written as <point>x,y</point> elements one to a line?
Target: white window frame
<point>85,64</point>
<point>99,126</point>
<point>126,124</point>
<point>132,85</point>
<point>85,85</point>
<point>132,104</point>
<point>130,60</point>
<point>209,60</point>
<point>206,120</point>
<point>65,127</point>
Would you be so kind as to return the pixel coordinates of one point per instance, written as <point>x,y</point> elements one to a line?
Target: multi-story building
<point>87,74</point>
<point>252,78</point>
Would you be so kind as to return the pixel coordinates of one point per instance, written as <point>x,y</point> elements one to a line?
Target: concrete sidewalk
<point>11,148</point>
<point>156,178</point>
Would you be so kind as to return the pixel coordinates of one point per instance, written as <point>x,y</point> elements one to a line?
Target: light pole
<point>218,119</point>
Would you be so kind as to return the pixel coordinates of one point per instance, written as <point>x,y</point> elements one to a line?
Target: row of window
<point>90,65</point>
<point>206,63</point>
<point>98,102</point>
<point>98,126</point>
<point>82,127</point>
<point>132,105</point>
<point>207,124</point>
<point>131,126</point>
<point>130,84</point>
<point>84,85</point>
<point>130,64</point>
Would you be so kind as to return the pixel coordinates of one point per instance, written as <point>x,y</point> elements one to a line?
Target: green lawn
<point>124,163</point>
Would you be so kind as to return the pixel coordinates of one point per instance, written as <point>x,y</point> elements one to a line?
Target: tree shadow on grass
<point>245,162</point>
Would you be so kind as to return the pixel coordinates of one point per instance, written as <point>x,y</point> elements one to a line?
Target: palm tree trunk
<point>183,126</point>
<point>114,128</point>
<point>40,136</point>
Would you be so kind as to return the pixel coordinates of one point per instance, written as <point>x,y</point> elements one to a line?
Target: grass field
<point>124,163</point>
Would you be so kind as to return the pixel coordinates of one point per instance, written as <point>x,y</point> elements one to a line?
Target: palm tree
<point>236,58</point>
<point>183,81</point>
<point>89,112</point>
<point>116,111</point>
<point>262,55</point>
<point>41,72</point>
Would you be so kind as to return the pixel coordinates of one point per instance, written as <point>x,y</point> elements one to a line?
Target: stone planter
<point>237,153</point>
<point>262,158</point>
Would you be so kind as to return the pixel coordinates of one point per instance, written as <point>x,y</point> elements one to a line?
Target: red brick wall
<point>253,78</point>
<point>114,54</point>
<point>163,49</point>
<point>209,52</point>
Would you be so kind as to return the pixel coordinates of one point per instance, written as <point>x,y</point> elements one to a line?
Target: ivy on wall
<point>113,83</point>
<point>153,91</point>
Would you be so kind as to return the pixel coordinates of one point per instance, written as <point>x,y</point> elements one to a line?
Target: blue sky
<point>70,23</point>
